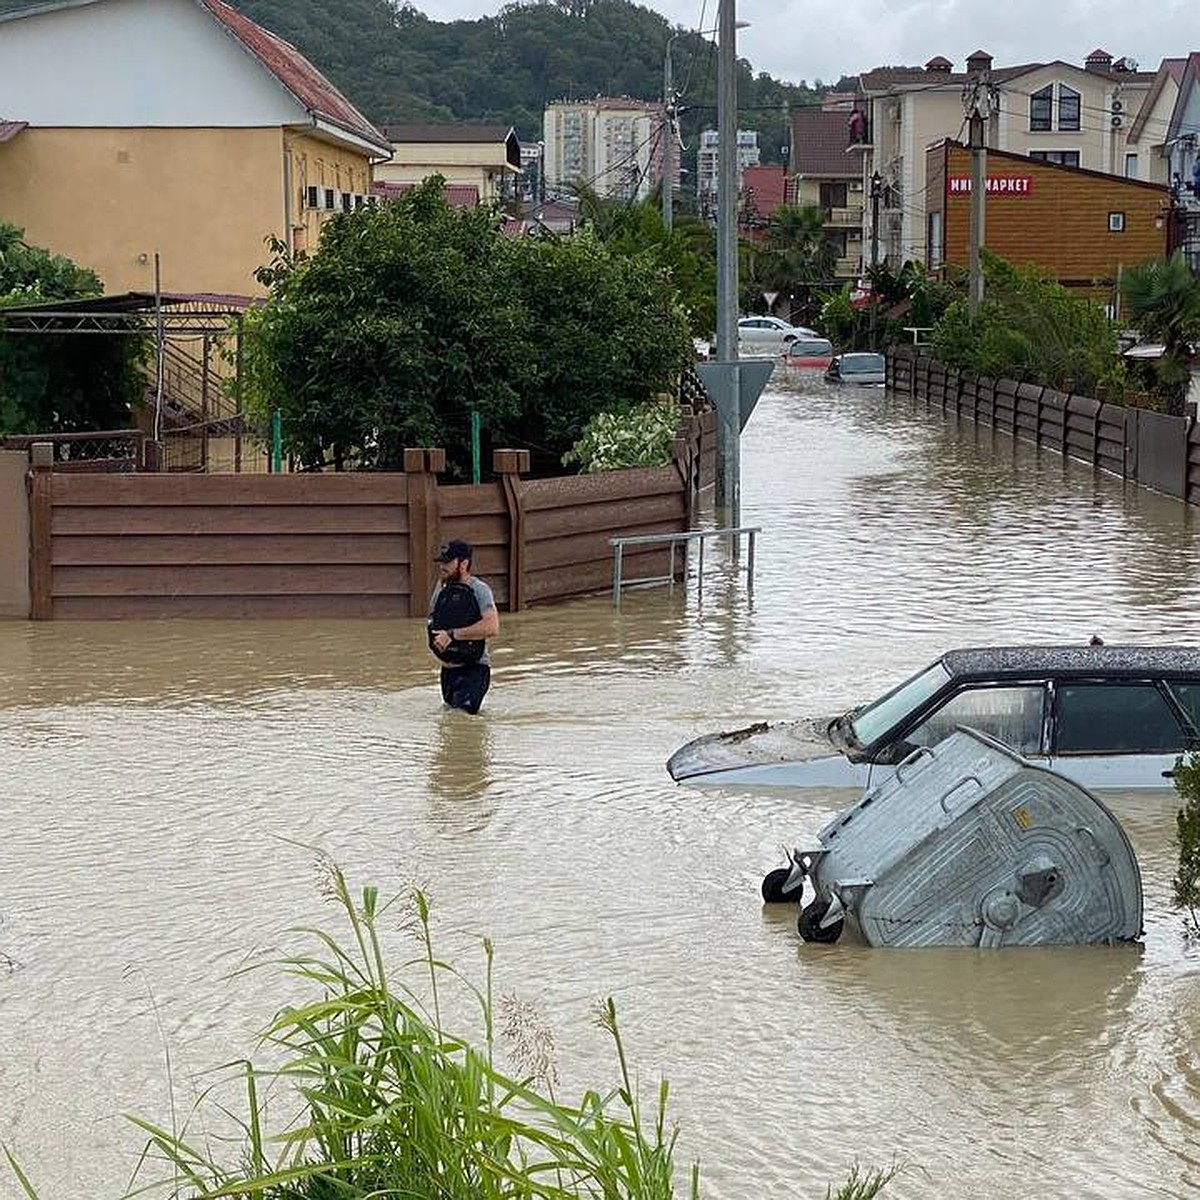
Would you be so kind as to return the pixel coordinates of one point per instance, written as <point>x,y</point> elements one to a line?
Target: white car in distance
<point>768,336</point>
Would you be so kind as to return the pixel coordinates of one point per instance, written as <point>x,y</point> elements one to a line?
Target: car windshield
<point>852,364</point>
<point>871,723</point>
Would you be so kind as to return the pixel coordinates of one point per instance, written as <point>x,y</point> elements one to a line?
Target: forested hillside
<point>397,65</point>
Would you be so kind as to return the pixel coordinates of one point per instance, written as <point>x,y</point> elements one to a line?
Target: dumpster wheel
<point>809,923</point>
<point>773,890</point>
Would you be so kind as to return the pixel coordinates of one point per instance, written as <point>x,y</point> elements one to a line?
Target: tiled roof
<point>297,74</point>
<point>882,79</point>
<point>765,188</point>
<point>489,134</point>
<point>10,129</point>
<point>819,141</point>
<point>457,195</point>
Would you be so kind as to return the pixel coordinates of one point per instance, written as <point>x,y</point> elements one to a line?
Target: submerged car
<point>859,367</point>
<point>1109,717</point>
<point>809,352</point>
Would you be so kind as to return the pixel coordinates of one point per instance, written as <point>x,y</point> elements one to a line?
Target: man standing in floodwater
<point>462,616</point>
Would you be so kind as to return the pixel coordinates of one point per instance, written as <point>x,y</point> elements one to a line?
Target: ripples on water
<point>165,783</point>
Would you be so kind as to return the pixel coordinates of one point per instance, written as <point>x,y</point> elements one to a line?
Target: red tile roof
<point>819,142</point>
<point>765,189</point>
<point>457,195</point>
<point>297,74</point>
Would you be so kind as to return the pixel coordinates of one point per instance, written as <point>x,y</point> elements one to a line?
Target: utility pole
<point>668,134</point>
<point>876,196</point>
<point>977,102</point>
<point>732,385</point>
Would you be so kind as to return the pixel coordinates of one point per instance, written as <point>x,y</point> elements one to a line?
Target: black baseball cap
<point>454,549</point>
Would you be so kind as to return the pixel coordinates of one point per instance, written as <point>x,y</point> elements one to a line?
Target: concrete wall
<point>14,542</point>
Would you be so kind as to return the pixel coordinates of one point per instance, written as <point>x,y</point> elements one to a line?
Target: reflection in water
<point>460,773</point>
<point>165,781</point>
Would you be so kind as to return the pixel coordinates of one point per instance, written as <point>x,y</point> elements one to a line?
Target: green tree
<point>1163,299</point>
<point>1030,326</point>
<point>55,383</point>
<point>410,316</point>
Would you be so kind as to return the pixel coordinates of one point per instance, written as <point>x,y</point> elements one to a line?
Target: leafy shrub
<point>640,436</point>
<point>1186,883</point>
<point>1030,326</point>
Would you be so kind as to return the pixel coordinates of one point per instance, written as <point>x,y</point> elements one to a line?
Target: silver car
<point>859,367</point>
<point>768,335</point>
<point>1109,717</point>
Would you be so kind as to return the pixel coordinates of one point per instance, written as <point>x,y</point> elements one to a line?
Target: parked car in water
<point>768,335</point>
<point>1103,716</point>
<point>859,367</point>
<point>809,352</point>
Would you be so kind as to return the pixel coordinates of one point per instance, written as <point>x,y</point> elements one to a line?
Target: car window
<point>852,364</point>
<point>1114,718</point>
<point>815,347</point>
<point>1187,693</point>
<point>871,723</point>
<point>1012,715</point>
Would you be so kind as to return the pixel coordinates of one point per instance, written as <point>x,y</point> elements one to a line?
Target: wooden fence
<point>1138,444</point>
<point>138,546</point>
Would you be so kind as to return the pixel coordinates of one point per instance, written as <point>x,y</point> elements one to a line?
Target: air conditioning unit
<point>856,186</point>
<point>1117,107</point>
<point>1116,122</point>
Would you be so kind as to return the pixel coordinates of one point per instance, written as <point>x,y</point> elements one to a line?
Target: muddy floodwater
<point>165,786</point>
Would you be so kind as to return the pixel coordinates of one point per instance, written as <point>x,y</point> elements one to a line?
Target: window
<point>1131,166</point>
<point>833,195</point>
<point>1116,222</point>
<point>330,198</point>
<point>1012,715</point>
<point>1187,695</point>
<point>310,197</point>
<point>936,245</point>
<point>1068,109</point>
<point>1115,718</point>
<point>1064,158</point>
<point>1041,109</point>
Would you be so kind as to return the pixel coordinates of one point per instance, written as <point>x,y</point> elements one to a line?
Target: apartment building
<point>1053,112</point>
<point>613,146</point>
<point>707,170</point>
<point>825,172</point>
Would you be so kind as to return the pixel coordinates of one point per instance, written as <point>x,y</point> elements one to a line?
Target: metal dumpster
<point>969,845</point>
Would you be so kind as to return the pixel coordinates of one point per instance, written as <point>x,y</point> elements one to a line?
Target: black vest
<point>456,607</point>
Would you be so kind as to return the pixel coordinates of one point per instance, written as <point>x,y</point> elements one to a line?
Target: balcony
<point>844,218</point>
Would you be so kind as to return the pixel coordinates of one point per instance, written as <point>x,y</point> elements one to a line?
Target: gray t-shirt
<point>486,601</point>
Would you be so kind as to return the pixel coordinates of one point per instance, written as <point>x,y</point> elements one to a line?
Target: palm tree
<point>1163,299</point>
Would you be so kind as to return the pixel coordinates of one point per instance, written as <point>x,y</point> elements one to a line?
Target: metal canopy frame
<point>135,313</point>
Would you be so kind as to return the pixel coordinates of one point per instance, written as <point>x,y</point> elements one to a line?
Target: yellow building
<point>484,157</point>
<point>175,132</point>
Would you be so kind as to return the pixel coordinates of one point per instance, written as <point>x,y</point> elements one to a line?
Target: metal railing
<point>699,536</point>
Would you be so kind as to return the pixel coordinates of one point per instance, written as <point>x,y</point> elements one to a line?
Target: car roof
<point>1070,660</point>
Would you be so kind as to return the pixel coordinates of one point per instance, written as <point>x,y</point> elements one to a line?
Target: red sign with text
<point>997,185</point>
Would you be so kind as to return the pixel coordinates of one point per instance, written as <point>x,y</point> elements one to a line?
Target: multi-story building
<point>485,157</point>
<point>707,170</point>
<point>1181,149</point>
<point>1053,112</point>
<point>826,173</point>
<point>613,146</point>
<point>171,132</point>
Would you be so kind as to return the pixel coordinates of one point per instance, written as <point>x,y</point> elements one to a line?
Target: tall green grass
<point>379,1100</point>
<point>388,1103</point>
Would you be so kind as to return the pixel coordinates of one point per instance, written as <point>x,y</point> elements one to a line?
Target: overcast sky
<point>824,39</point>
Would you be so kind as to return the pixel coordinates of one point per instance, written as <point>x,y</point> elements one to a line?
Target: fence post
<point>421,465</point>
<point>41,564</point>
<point>510,465</point>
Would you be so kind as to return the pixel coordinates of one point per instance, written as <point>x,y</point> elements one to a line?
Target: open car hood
<point>760,744</point>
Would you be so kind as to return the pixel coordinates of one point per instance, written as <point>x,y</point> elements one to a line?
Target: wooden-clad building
<point>1083,226</point>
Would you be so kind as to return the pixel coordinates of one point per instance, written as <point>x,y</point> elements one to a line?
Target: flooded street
<point>166,785</point>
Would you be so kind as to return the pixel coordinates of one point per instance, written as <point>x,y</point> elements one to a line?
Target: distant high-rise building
<point>707,170</point>
<point>613,146</point>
